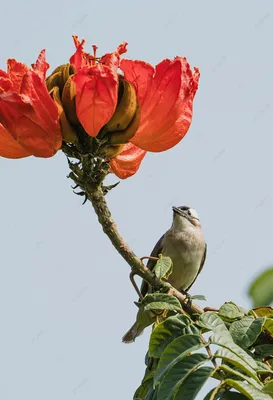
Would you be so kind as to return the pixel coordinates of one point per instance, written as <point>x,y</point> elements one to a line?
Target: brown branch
<point>109,227</point>
<point>211,309</point>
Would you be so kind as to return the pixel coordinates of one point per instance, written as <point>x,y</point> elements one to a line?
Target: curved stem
<point>96,196</point>
<point>132,274</point>
<point>217,390</point>
<point>209,351</point>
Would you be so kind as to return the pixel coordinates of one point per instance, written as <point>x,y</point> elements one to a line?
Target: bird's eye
<point>189,212</point>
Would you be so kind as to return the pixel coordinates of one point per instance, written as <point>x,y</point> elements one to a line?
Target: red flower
<point>9,148</point>
<point>151,108</point>
<point>96,86</point>
<point>128,161</point>
<point>27,112</point>
<point>165,95</point>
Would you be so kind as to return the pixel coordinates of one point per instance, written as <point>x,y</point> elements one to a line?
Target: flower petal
<point>16,72</point>
<point>128,161</point>
<point>9,148</point>
<point>96,97</point>
<point>35,89</point>
<point>112,60</point>
<point>41,66</point>
<point>5,84</point>
<point>26,109</point>
<point>96,83</point>
<point>141,75</point>
<point>79,58</point>
<point>166,96</point>
<point>3,74</point>
<point>42,138</point>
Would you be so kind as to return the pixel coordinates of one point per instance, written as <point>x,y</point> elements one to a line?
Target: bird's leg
<point>188,300</point>
<point>132,274</point>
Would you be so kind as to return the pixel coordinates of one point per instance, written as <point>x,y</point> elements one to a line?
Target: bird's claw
<point>188,299</point>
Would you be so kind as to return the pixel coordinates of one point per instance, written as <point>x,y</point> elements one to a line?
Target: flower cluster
<point>134,107</point>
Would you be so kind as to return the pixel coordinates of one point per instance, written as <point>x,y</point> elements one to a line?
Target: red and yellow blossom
<point>27,112</point>
<point>96,86</point>
<point>130,105</point>
<point>165,95</point>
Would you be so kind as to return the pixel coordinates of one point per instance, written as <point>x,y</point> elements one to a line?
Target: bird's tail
<point>133,332</point>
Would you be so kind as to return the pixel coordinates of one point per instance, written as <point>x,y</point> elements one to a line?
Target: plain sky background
<point>65,296</point>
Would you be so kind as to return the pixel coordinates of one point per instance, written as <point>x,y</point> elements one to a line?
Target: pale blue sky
<point>65,296</point>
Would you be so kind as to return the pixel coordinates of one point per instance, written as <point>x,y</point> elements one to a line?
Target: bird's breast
<point>186,249</point>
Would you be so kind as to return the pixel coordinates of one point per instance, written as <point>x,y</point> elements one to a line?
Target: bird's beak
<point>180,212</point>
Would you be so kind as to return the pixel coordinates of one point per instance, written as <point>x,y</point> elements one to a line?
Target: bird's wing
<point>151,264</point>
<point>201,266</point>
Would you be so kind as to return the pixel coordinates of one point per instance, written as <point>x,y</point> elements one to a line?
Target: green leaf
<point>146,385</point>
<point>233,371</point>
<point>154,304</point>
<point>143,389</point>
<point>213,395</point>
<point>233,359</point>
<point>230,312</point>
<point>198,297</point>
<point>209,394</point>
<point>262,312</point>
<point>249,391</point>
<point>165,333</point>
<point>163,268</point>
<point>245,331</point>
<point>178,373</point>
<point>191,329</point>
<point>232,396</point>
<point>264,350</point>
<point>261,288</point>
<point>263,368</point>
<point>175,352</point>
<point>224,339</point>
<point>161,301</point>
<point>172,305</point>
<point>144,318</point>
<point>269,325</point>
<point>193,383</point>
<point>151,395</point>
<point>268,388</point>
<point>146,388</point>
<point>211,321</point>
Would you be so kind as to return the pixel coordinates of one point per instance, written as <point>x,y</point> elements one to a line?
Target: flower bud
<point>59,76</point>
<point>112,151</point>
<point>68,132</point>
<point>69,101</point>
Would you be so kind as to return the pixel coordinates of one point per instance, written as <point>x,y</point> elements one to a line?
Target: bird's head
<point>184,217</point>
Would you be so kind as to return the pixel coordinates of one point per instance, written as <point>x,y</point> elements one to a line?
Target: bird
<point>185,244</point>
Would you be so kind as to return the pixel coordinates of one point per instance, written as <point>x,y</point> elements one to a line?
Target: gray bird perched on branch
<point>185,244</point>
